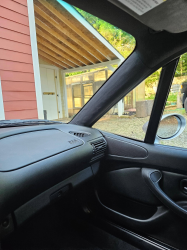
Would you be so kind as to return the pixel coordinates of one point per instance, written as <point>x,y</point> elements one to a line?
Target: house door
<point>49,93</point>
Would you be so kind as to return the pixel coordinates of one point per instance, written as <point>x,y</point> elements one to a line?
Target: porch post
<point>38,89</point>
<point>120,107</point>
<point>65,101</point>
<point>2,112</point>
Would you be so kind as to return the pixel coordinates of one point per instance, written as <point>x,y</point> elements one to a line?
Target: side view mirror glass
<point>170,127</point>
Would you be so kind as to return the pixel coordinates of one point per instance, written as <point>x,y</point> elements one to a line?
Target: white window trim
<point>57,82</point>
<point>64,92</point>
<point>34,48</point>
<point>2,112</point>
<point>98,65</point>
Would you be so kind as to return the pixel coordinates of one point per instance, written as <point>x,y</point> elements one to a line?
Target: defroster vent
<point>99,148</point>
<point>80,134</point>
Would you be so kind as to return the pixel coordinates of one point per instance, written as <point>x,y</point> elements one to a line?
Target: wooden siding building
<point>16,64</point>
<point>41,41</point>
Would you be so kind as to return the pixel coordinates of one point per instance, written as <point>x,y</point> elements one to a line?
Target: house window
<point>77,96</point>
<point>100,76</point>
<point>88,92</point>
<point>80,88</point>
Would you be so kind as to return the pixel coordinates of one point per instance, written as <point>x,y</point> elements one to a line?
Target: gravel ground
<point>129,127</point>
<point>181,140</point>
<point>132,127</point>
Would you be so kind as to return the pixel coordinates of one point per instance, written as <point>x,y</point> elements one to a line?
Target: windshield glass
<point>51,69</point>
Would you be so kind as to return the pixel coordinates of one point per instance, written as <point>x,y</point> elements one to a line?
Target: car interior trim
<point>166,79</point>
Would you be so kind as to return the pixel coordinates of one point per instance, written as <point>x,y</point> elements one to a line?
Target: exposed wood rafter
<point>66,40</point>
<point>91,52</point>
<point>62,39</point>
<point>77,59</point>
<point>88,56</point>
<point>51,62</point>
<point>51,58</point>
<point>58,51</point>
<point>52,9</point>
<point>51,53</point>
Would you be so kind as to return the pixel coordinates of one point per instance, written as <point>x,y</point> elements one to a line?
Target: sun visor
<point>168,15</point>
<point>141,7</point>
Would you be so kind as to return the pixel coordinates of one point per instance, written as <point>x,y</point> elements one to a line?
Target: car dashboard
<point>39,164</point>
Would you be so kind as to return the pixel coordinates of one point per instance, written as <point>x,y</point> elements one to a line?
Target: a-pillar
<point>121,102</point>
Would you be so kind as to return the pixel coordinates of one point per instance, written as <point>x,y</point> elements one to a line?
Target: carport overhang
<point>65,40</point>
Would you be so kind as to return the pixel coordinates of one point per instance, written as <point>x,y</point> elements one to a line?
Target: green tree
<point>119,39</point>
<point>182,66</point>
<point>153,79</point>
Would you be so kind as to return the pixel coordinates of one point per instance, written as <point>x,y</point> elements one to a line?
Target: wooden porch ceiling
<point>63,41</point>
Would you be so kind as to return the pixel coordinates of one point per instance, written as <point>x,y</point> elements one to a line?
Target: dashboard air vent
<point>99,148</point>
<point>79,134</point>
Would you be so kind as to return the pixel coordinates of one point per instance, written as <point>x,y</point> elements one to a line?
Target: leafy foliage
<point>182,66</point>
<point>172,97</point>
<point>151,97</point>
<point>75,73</point>
<point>120,40</point>
<point>180,71</point>
<point>153,79</point>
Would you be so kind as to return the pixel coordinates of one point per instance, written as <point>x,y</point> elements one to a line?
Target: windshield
<point>50,70</point>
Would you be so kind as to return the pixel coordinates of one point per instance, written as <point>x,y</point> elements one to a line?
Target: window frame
<point>165,82</point>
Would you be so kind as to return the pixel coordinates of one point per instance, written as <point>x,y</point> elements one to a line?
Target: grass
<point>151,97</point>
<point>180,111</point>
<point>172,97</point>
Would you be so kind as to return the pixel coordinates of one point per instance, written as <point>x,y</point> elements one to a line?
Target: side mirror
<point>170,127</point>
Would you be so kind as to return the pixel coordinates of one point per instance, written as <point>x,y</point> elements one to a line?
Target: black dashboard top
<point>35,158</point>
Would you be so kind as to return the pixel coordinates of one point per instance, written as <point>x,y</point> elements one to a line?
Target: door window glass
<point>176,104</point>
<point>128,116</point>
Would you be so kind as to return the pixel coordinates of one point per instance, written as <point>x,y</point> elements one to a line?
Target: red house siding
<point>16,66</point>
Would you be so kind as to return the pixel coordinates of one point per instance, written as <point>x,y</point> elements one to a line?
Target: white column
<point>59,99</point>
<point>64,94</point>
<point>2,112</point>
<point>120,107</point>
<point>111,68</point>
<point>34,48</point>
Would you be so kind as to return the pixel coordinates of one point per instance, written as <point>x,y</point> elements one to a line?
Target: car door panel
<point>160,156</point>
<point>125,198</point>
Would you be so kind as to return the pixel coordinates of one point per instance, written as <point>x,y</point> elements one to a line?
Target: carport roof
<point>65,39</point>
